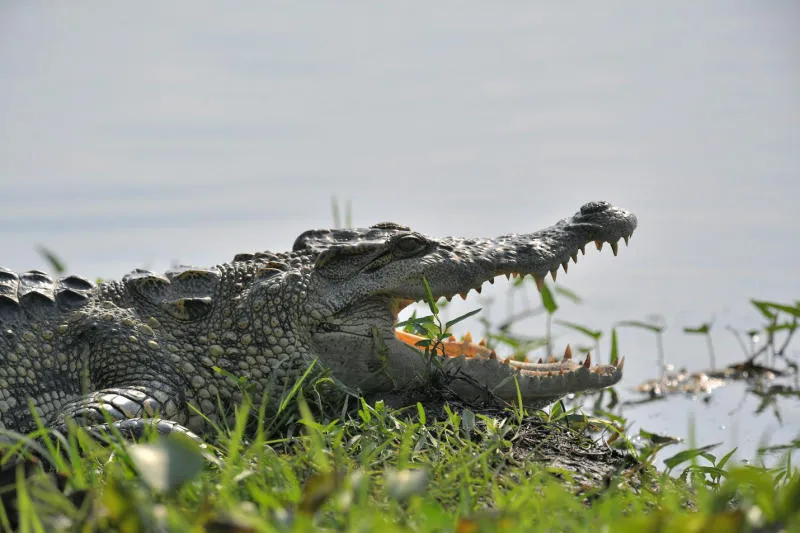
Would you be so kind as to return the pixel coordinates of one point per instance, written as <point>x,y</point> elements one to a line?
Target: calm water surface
<point>188,132</point>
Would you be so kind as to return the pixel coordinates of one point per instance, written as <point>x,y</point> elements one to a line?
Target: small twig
<point>782,349</point>
<point>739,338</point>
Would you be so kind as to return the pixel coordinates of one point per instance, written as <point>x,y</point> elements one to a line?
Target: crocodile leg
<point>141,389</point>
<point>126,408</point>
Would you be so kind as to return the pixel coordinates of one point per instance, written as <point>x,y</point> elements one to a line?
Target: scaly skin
<point>149,346</point>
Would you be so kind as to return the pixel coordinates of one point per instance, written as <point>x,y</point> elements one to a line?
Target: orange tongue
<point>454,348</point>
<point>451,347</point>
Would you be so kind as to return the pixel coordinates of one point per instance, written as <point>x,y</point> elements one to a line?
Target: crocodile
<point>172,350</point>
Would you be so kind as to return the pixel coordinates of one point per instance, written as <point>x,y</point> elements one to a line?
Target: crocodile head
<point>362,278</point>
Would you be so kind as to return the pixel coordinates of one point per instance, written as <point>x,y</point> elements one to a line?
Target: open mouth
<point>452,348</point>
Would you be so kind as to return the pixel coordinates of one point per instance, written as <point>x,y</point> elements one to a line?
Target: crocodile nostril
<point>594,207</point>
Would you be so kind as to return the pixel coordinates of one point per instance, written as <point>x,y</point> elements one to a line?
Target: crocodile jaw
<point>473,371</point>
<point>383,358</point>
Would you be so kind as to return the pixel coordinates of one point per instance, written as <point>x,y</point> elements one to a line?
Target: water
<point>187,132</point>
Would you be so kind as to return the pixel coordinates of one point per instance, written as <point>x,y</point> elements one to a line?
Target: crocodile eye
<point>409,244</point>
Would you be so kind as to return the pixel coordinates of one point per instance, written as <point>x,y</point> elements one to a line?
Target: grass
<point>433,466</point>
<point>383,470</point>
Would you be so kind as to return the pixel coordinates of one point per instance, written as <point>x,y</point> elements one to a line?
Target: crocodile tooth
<point>588,362</point>
<point>553,273</point>
<point>568,353</point>
<point>451,338</point>
<point>552,359</point>
<point>540,361</point>
<point>599,244</point>
<point>482,342</point>
<point>491,280</point>
<point>614,247</point>
<point>575,258</point>
<point>620,363</point>
<point>564,265</point>
<point>508,275</point>
<point>468,337</point>
<point>627,238</point>
<point>448,298</point>
<point>463,295</point>
<point>493,355</point>
<point>583,250</point>
<point>539,282</point>
<point>478,289</point>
